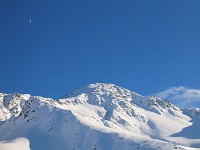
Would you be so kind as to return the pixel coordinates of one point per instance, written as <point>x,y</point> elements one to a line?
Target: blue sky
<point>145,46</point>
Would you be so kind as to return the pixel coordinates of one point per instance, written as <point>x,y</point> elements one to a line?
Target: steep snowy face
<point>110,96</point>
<point>119,108</point>
<point>11,104</point>
<point>14,105</point>
<point>156,105</point>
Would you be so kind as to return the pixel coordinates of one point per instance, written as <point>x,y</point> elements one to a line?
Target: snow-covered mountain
<point>96,117</point>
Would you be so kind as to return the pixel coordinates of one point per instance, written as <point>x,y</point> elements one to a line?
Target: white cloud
<point>181,96</point>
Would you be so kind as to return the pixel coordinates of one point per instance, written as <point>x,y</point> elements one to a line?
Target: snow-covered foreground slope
<point>96,116</point>
<point>17,144</point>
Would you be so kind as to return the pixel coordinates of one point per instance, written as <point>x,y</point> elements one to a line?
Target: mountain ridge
<point>100,111</point>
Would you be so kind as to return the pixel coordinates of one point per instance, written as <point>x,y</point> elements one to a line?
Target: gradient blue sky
<point>145,46</point>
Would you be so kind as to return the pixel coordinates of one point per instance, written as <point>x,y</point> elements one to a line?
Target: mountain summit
<point>96,116</point>
<point>102,93</point>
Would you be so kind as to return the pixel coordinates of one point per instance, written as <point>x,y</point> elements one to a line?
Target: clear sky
<point>145,46</point>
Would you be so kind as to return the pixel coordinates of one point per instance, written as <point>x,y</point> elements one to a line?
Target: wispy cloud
<point>181,96</point>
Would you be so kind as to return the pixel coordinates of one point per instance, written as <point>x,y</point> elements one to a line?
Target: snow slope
<point>17,144</point>
<point>96,116</point>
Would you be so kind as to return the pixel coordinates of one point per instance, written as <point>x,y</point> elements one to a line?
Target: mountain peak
<point>110,95</point>
<point>102,89</point>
